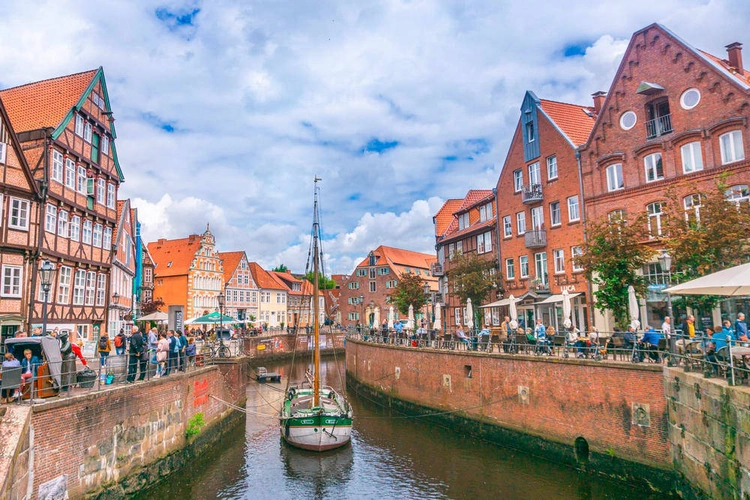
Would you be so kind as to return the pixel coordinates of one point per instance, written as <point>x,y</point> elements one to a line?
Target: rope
<point>240,409</point>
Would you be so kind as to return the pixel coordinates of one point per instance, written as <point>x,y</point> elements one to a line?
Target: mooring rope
<point>240,409</point>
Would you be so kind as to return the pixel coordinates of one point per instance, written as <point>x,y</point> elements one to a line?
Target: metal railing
<point>536,238</point>
<point>532,193</point>
<point>659,126</point>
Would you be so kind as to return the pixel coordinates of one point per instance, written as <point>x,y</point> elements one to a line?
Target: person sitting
<point>582,344</point>
<point>484,338</point>
<point>629,338</point>
<point>29,366</point>
<point>723,338</point>
<point>650,344</point>
<point>461,336</point>
<point>8,363</point>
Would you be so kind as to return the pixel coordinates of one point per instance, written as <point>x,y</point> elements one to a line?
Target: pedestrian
<point>740,328</point>
<point>120,341</point>
<point>153,339</point>
<point>162,354</point>
<point>173,352</point>
<point>182,339</point>
<point>191,351</point>
<point>104,348</point>
<point>135,356</point>
<point>666,330</point>
<point>688,333</point>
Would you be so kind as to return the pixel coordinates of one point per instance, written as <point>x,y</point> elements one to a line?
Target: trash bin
<point>86,378</point>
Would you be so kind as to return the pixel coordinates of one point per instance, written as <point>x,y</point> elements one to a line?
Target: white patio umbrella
<point>633,308</point>
<point>390,318</point>
<point>410,320</point>
<point>729,282</point>
<point>513,312</point>
<point>155,316</point>
<point>376,318</point>
<point>437,325</point>
<point>566,307</point>
<point>469,315</point>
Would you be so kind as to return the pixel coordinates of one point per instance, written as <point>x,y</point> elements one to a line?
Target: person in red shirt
<point>77,351</point>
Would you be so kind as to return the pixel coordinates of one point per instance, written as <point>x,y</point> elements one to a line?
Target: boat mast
<point>316,289</point>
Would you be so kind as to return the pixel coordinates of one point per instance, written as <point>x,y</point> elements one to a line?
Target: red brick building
<point>674,117</point>
<point>540,211</point>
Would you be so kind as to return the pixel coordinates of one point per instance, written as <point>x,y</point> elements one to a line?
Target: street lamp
<point>362,319</point>
<point>47,275</point>
<point>665,260</point>
<point>221,298</point>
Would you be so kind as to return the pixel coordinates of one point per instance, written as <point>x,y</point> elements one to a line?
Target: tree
<point>281,268</point>
<point>151,306</point>
<point>705,232</point>
<point>409,291</point>
<point>614,254</point>
<point>473,277</point>
<point>324,282</point>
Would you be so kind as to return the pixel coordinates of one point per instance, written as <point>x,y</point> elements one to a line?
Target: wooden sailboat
<point>315,417</point>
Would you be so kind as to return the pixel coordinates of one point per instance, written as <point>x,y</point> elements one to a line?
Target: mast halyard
<point>316,289</point>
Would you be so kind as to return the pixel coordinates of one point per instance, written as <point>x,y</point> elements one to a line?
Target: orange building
<point>189,273</point>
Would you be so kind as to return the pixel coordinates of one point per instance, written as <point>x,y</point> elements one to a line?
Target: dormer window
<point>530,132</point>
<point>372,259</point>
<point>463,221</point>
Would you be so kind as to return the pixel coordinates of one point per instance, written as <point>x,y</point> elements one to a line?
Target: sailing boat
<point>315,417</point>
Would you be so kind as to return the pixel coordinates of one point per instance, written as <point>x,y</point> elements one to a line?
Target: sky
<point>227,109</point>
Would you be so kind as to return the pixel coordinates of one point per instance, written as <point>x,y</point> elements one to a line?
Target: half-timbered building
<point>122,275</point>
<point>239,287</point>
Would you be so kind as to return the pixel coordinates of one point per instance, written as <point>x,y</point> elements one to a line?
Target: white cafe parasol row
<point>729,282</point>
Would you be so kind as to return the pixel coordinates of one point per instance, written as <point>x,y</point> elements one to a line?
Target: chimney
<point>734,52</point>
<point>599,100</point>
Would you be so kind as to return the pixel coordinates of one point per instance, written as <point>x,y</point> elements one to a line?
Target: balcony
<point>536,238</point>
<point>539,285</point>
<point>660,125</point>
<point>532,193</point>
<point>437,269</point>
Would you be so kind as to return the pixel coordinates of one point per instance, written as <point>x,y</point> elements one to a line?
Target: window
<point>614,177</point>
<point>57,166</point>
<point>62,224</point>
<point>372,273</point>
<point>81,187</point>
<point>616,216</point>
<point>90,287</point>
<point>731,147</point>
<point>101,190</point>
<point>78,286</point>
<point>507,227</point>
<point>628,120</point>
<point>457,315</point>
<point>654,219</point>
<point>537,218</point>
<point>361,272</point>
<point>654,169</point>
<point>19,214</point>
<point>692,205</point>
<point>459,249</point>
<point>87,132</point>
<point>554,213</point>
<point>463,221</point>
<point>517,180</point>
<point>79,125</point>
<point>63,285</point>
<point>658,118</point>
<point>574,213</point>
<point>575,253</point>
<point>87,228</point>
<point>510,269</point>
<point>521,222</point>
<point>101,287</point>
<point>559,257</point>
<point>50,220</point>
<point>111,195</point>
<point>95,148</point>
<point>107,241</point>
<point>105,144</point>
<point>70,173</point>
<point>540,261</point>
<point>523,264</point>
<point>75,228</point>
<point>373,286</point>
<point>690,98</point>
<point>535,175</point>
<point>738,193</point>
<point>98,235</point>
<point>485,212</point>
<point>12,281</point>
<point>692,159</point>
<point>552,167</point>
<point>383,270</point>
<point>354,285</point>
<point>530,132</point>
<point>484,242</point>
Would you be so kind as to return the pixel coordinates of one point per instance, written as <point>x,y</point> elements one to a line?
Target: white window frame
<point>615,180</point>
<point>521,223</point>
<point>62,224</point>
<point>97,236</point>
<point>535,174</point>
<point>576,251</point>
<point>105,144</point>
<point>81,179</point>
<point>12,283</point>
<point>101,191</point>
<point>88,130</point>
<point>507,227</point>
<point>537,218</point>
<point>654,167</point>
<point>558,256</point>
<point>107,238</point>
<point>88,229</point>
<point>79,126</point>
<point>101,287</point>
<point>732,147</point>
<point>19,213</point>
<point>484,243</point>
<point>654,219</point>
<point>692,204</point>
<point>554,209</point>
<point>541,267</point>
<point>57,166</point>
<point>517,180</point>
<point>523,266</point>
<point>692,157</point>
<point>110,195</point>
<point>63,284</point>
<point>574,209</point>
<point>551,167</point>
<point>510,269</point>
<point>75,228</point>
<point>70,173</point>
<point>90,288</point>
<point>50,218</point>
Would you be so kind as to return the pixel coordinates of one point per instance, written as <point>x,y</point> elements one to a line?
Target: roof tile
<point>574,120</point>
<point>174,257</point>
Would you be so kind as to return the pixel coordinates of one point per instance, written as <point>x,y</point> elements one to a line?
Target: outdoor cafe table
<point>740,352</point>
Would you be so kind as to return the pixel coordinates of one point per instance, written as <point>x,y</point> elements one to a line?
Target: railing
<point>539,285</point>
<point>437,269</point>
<point>658,126</point>
<point>536,238</point>
<point>532,193</point>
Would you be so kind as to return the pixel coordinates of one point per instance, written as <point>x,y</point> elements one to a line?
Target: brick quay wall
<point>608,418</point>
<point>112,443</point>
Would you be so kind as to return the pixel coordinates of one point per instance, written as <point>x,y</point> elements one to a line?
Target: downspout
<point>43,190</point>
<point>585,238</point>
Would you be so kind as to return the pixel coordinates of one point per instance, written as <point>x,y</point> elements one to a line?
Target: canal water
<point>390,457</point>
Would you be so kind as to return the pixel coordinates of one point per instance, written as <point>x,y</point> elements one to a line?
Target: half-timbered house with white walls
<point>122,273</point>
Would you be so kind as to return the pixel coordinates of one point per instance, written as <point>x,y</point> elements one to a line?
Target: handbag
<point>153,360</point>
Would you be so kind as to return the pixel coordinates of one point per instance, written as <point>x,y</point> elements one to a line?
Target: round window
<point>628,119</point>
<point>690,98</point>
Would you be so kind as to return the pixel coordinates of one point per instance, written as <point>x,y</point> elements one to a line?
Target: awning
<point>552,299</point>
<point>499,303</point>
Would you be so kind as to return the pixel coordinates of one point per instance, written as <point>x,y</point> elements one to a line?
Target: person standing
<point>740,328</point>
<point>162,354</point>
<point>120,341</point>
<point>666,330</point>
<point>688,333</point>
<point>153,340</point>
<point>173,350</point>
<point>104,348</point>
<point>182,339</point>
<point>134,359</point>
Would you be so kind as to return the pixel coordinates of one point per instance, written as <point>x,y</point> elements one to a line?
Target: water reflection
<point>317,475</point>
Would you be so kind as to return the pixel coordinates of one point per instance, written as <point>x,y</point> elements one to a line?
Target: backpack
<point>118,341</point>
<point>103,344</point>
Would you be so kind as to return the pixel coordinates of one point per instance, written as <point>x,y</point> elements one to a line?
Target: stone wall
<point>88,443</point>
<point>709,430</point>
<point>618,409</point>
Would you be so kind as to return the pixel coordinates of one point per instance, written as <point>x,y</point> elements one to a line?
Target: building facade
<point>272,292</point>
<point>299,300</point>
<point>239,287</point>
<point>123,271</point>
<point>66,130</point>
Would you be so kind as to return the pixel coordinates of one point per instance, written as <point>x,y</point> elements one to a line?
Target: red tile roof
<point>444,216</point>
<point>230,262</point>
<point>744,76</point>
<point>399,258</point>
<point>44,104</point>
<point>264,279</point>
<point>473,197</point>
<point>474,227</point>
<point>575,121</point>
<point>288,279</point>
<point>174,257</point>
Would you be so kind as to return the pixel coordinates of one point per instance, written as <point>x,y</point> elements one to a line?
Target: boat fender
<point>292,393</point>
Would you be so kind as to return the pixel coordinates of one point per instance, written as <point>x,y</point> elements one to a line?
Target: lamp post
<point>47,275</point>
<point>665,260</point>
<point>115,302</point>
<point>430,309</point>
<point>221,298</point>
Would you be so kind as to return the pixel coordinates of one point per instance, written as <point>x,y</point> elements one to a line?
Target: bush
<point>194,425</point>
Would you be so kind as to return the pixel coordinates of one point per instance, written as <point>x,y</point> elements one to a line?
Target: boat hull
<point>317,432</point>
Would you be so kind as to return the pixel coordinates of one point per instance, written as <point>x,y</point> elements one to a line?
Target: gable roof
<point>473,197</point>
<point>443,218</point>
<point>573,120</point>
<point>230,261</point>
<point>19,153</point>
<point>174,257</point>
<point>123,211</point>
<point>399,259</point>
<point>264,279</point>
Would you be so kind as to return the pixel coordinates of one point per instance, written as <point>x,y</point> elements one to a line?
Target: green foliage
<point>324,282</point>
<point>409,291</point>
<point>281,268</point>
<point>473,277</point>
<point>194,425</point>
<point>612,257</point>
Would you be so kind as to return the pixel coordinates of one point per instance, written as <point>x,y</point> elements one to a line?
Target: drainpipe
<point>585,238</point>
<point>43,192</point>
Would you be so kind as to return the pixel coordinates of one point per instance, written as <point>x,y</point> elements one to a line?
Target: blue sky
<point>227,109</point>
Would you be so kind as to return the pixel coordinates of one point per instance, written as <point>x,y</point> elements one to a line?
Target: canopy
<point>566,309</point>
<point>155,316</point>
<point>729,282</point>
<point>499,303</point>
<point>390,318</point>
<point>633,308</point>
<point>513,312</point>
<point>410,322</point>
<point>552,299</point>
<point>437,325</point>
<point>469,315</point>
<point>211,319</point>
<point>376,318</point>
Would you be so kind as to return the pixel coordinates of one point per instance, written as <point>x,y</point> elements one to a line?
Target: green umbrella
<point>211,319</point>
